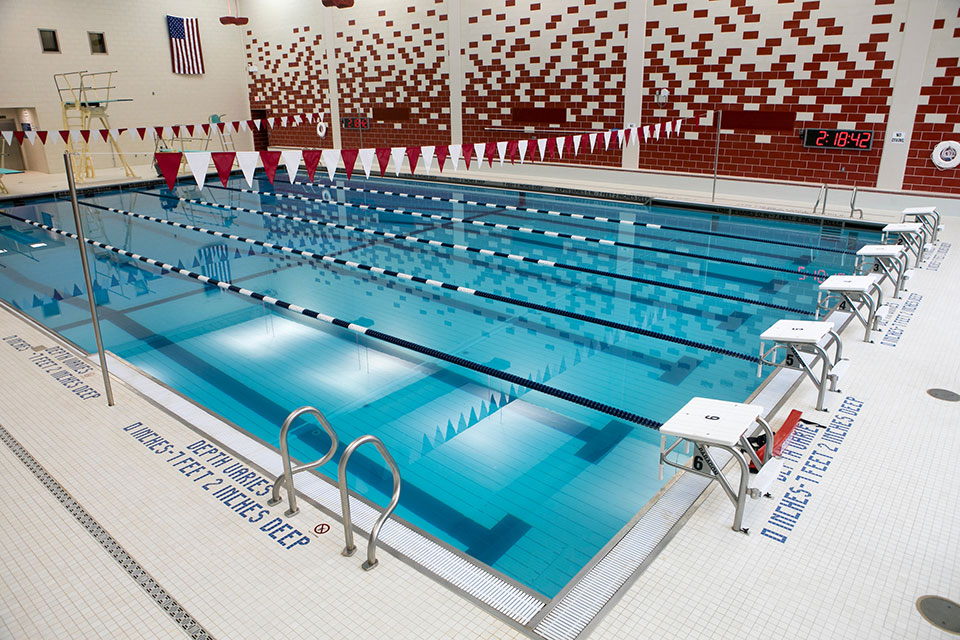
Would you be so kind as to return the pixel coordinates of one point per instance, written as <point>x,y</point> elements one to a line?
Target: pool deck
<point>875,525</point>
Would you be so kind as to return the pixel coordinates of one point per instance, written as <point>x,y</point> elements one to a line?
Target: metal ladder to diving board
<point>286,479</point>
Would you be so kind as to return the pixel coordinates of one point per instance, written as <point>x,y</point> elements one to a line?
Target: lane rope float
<point>487,252</point>
<point>437,283</point>
<point>616,412</point>
<point>531,230</point>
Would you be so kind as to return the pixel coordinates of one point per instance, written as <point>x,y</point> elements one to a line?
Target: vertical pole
<point>826,192</point>
<point>86,278</point>
<point>716,157</point>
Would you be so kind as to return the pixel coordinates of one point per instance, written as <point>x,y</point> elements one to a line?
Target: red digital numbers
<point>842,139</point>
<point>355,123</point>
<point>838,139</point>
<point>822,138</point>
<point>865,142</point>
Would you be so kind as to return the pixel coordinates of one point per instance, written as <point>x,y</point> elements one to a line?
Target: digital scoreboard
<point>856,139</point>
<point>355,123</point>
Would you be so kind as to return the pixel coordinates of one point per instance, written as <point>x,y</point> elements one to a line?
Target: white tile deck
<point>879,527</point>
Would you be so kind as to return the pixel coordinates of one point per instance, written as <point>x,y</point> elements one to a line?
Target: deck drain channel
<point>143,579</point>
<point>940,612</point>
<point>944,394</point>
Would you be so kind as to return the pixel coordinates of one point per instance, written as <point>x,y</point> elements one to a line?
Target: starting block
<point>889,261</point>
<point>929,217</point>
<point>717,424</point>
<point>804,345</point>
<point>910,234</point>
<point>852,293</point>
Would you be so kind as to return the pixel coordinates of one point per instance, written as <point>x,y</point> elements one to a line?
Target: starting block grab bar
<point>805,346</point>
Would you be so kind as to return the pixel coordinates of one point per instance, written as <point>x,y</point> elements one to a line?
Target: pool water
<point>530,484</point>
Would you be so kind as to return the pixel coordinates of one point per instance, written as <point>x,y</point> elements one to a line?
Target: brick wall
<point>938,111</point>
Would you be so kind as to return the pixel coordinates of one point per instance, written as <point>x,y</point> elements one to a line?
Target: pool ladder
<point>286,478</point>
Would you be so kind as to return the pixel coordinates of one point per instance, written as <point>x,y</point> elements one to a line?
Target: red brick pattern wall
<point>830,62</point>
<point>938,111</point>
<point>288,81</point>
<point>392,54</point>
<point>544,53</point>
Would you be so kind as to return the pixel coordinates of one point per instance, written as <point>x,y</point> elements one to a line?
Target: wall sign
<point>856,139</point>
<point>355,123</point>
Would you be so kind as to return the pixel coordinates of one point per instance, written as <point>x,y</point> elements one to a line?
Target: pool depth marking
<point>486,252</point>
<point>563,214</point>
<point>531,230</point>
<point>442,285</point>
<point>629,416</point>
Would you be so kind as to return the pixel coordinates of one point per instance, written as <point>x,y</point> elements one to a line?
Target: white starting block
<point>910,234</point>
<point>804,344</point>
<point>852,293</point>
<point>889,261</point>
<point>708,424</point>
<point>929,217</point>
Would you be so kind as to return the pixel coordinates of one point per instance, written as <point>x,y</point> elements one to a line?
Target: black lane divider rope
<point>577,216</point>
<point>441,285</point>
<point>513,227</point>
<point>489,252</point>
<point>616,412</point>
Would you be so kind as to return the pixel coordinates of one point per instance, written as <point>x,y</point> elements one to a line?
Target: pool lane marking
<point>530,230</point>
<point>488,252</point>
<point>563,214</point>
<point>439,284</point>
<point>616,412</point>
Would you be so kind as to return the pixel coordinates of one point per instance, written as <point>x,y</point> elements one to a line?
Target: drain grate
<point>944,394</point>
<point>940,612</point>
<point>170,606</point>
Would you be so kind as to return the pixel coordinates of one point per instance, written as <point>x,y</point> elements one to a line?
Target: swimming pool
<point>530,483</point>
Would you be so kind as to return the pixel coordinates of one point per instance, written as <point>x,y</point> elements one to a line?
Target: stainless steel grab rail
<point>853,204</point>
<point>288,469</point>
<point>824,191</point>
<point>349,547</point>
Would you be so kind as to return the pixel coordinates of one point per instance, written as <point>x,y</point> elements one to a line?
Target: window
<point>48,41</point>
<point>97,42</point>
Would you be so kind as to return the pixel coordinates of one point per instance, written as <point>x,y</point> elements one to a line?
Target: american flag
<point>185,52</point>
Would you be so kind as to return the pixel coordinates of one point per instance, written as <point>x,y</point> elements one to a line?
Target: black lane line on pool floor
<point>488,252</point>
<point>144,580</point>
<point>623,414</point>
<point>442,285</point>
<point>530,230</point>
<point>550,212</point>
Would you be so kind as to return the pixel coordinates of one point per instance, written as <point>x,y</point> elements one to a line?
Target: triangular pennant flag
<point>534,145</point>
<point>206,128</point>
<point>331,158</point>
<point>76,135</point>
<point>561,143</point>
<point>576,144</point>
<point>349,160</point>
<point>593,141</point>
<point>568,146</point>
<point>85,134</point>
<point>676,126</point>
<point>223,161</point>
<point>442,152</point>
<point>248,164</point>
<point>276,121</point>
<point>428,157</point>
<point>669,127</point>
<point>65,135</point>
<point>467,151</point>
<point>413,155</point>
<point>309,117</point>
<point>551,146</point>
<point>43,136</point>
<point>176,130</point>
<point>270,160</point>
<point>606,140</point>
<point>620,134</point>
<point>633,135</point>
<point>366,160</point>
<point>311,158</point>
<point>383,157</point>
<point>235,124</point>
<point>151,134</point>
<point>221,126</point>
<point>265,122</point>
<point>493,148</point>
<point>542,146</point>
<point>283,121</point>
<point>242,125</point>
<point>199,161</point>
<point>159,131</point>
<point>656,131</point>
<point>19,135</point>
<point>104,133</point>
<point>169,165</point>
<point>478,149</point>
<point>522,149</point>
<point>254,124</point>
<point>397,154</point>
<point>190,129</point>
<point>291,160</point>
<point>8,136</point>
<point>455,151</point>
<point>31,136</point>
<point>511,151</point>
<point>646,133</point>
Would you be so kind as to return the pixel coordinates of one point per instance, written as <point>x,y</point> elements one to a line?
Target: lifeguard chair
<point>84,97</point>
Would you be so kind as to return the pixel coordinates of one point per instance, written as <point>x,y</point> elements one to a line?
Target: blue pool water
<point>529,483</point>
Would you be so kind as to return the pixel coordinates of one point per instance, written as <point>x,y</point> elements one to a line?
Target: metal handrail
<point>349,547</point>
<point>853,203</point>
<point>824,190</point>
<point>288,468</point>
